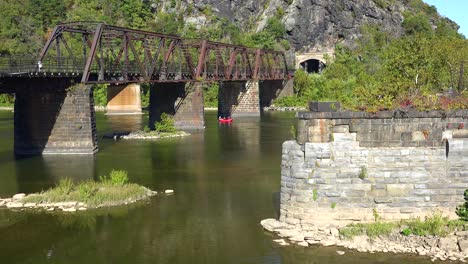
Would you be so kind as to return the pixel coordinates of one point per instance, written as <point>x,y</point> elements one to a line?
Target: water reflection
<point>125,123</point>
<point>34,174</point>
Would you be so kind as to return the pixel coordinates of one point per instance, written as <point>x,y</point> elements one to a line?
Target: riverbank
<point>453,246</point>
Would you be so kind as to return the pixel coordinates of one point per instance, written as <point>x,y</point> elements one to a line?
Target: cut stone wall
<point>54,117</point>
<point>239,99</point>
<point>345,165</point>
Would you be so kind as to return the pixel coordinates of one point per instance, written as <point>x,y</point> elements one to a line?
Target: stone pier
<point>239,99</point>
<point>347,166</point>
<point>273,89</point>
<point>183,101</point>
<point>54,117</point>
<point>124,99</point>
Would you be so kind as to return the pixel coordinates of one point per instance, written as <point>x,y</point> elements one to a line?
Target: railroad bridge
<point>54,106</point>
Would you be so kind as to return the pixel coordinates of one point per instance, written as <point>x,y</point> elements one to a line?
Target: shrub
<point>166,124</point>
<point>436,225</point>
<point>372,229</point>
<point>462,210</point>
<point>116,178</point>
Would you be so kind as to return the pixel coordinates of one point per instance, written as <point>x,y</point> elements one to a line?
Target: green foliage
<point>116,177</point>
<point>7,100</point>
<point>333,205</point>
<point>167,23</point>
<point>363,173</point>
<point>382,73</point>
<point>462,210</point>
<point>65,186</point>
<point>372,230</point>
<point>289,101</point>
<point>210,94</point>
<point>406,232</point>
<point>417,23</point>
<point>315,195</point>
<point>293,132</point>
<point>166,125</point>
<point>376,215</point>
<point>86,190</point>
<point>146,129</point>
<point>436,225</point>
<point>100,94</point>
<point>113,189</point>
<point>145,94</point>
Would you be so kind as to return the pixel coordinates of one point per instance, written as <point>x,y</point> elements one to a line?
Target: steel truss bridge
<point>96,53</point>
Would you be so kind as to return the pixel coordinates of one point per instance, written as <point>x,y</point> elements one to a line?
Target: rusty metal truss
<point>101,53</point>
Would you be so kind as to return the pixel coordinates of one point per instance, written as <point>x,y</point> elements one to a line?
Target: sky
<point>456,10</point>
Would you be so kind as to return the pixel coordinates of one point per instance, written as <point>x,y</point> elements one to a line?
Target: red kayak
<point>225,120</point>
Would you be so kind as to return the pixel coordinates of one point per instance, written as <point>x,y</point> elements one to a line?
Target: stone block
<point>344,137</point>
<point>317,150</point>
<point>397,190</point>
<point>383,200</point>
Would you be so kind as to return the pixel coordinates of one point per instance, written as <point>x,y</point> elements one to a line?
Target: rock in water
<point>169,191</point>
<point>19,196</point>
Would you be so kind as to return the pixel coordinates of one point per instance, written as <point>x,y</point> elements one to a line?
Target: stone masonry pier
<point>183,101</point>
<point>345,165</point>
<point>54,117</point>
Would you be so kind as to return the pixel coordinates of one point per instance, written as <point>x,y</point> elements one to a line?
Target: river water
<point>226,179</point>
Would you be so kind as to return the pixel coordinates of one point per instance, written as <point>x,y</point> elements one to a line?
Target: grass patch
<point>370,229</point>
<point>436,225</point>
<point>111,190</point>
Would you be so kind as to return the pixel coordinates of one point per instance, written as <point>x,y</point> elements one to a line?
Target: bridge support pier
<point>123,99</point>
<point>54,117</point>
<point>239,98</point>
<point>273,89</point>
<point>184,101</point>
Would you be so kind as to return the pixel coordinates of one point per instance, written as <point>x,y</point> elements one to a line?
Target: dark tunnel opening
<point>313,66</point>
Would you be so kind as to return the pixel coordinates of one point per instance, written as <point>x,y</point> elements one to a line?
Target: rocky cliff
<point>311,25</point>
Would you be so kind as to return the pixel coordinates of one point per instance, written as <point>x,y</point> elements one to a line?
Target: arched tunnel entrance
<point>312,66</point>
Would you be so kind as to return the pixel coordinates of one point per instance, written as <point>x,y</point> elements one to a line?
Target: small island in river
<point>112,190</point>
<point>163,129</point>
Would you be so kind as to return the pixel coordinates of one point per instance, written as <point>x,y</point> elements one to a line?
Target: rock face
<point>311,25</point>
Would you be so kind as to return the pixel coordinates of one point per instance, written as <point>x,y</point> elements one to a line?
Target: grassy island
<point>111,190</point>
<point>162,129</point>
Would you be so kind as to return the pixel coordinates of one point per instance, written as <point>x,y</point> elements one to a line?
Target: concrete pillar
<point>239,99</point>
<point>54,117</point>
<point>184,101</point>
<point>124,99</point>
